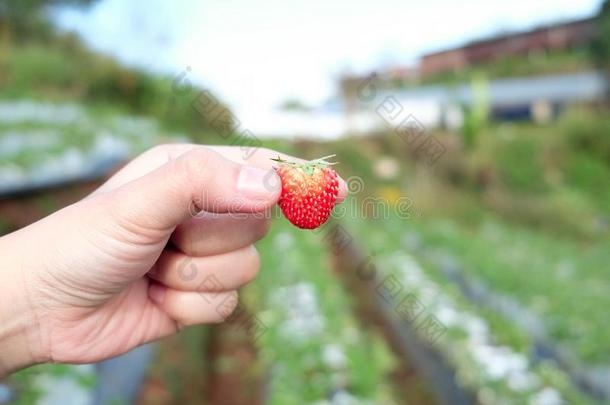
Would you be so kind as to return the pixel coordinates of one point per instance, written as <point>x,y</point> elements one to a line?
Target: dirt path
<point>421,376</point>
<point>234,375</point>
<point>178,373</point>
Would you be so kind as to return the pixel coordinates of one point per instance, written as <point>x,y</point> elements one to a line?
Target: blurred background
<point>470,264</point>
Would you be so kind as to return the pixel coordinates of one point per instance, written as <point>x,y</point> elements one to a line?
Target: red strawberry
<point>309,191</point>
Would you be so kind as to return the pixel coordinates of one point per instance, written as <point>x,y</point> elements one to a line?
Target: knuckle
<point>196,163</point>
<point>195,169</point>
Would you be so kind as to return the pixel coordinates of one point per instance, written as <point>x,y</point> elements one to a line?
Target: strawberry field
<point>419,289</point>
<point>469,263</point>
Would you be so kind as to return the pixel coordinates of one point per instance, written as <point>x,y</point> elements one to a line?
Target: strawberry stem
<point>324,158</point>
<point>319,161</point>
<point>279,159</point>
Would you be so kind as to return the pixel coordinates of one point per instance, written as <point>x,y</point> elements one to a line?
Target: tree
<point>601,43</point>
<point>600,46</point>
<point>20,17</point>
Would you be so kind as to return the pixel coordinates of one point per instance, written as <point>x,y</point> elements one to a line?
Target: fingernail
<point>156,292</point>
<point>256,183</point>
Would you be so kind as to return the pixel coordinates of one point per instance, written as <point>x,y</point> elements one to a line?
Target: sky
<point>254,55</point>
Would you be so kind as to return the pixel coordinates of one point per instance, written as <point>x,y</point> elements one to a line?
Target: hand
<point>99,277</point>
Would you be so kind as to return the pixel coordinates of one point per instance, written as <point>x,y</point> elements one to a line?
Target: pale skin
<point>108,273</point>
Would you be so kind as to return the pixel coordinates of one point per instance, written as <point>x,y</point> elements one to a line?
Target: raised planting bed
<point>309,341</point>
<point>491,356</point>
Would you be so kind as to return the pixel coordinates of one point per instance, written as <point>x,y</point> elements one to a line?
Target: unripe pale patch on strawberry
<point>309,191</point>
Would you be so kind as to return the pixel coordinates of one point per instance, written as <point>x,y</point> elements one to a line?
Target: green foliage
<point>590,176</point>
<point>36,68</point>
<point>586,155</point>
<point>544,273</point>
<point>476,115</point>
<point>301,372</point>
<point>560,61</point>
<point>26,19</point>
<point>65,70</point>
<point>519,164</point>
<point>588,132</point>
<point>136,134</point>
<point>515,262</point>
<point>29,391</point>
<point>600,47</point>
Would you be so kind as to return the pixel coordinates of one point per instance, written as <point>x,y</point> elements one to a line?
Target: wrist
<point>19,331</point>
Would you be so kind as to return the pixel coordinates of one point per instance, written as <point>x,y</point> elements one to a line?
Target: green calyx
<point>310,166</point>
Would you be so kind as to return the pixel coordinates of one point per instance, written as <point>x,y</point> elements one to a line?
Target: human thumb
<point>199,180</point>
